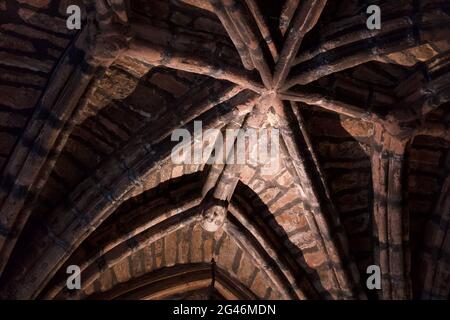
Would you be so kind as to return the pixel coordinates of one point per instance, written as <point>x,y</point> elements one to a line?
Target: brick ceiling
<point>87,178</point>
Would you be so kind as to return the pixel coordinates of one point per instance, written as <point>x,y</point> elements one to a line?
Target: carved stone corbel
<point>108,31</point>
<point>214,215</point>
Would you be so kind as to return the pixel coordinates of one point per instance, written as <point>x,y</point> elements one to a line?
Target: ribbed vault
<point>87,178</point>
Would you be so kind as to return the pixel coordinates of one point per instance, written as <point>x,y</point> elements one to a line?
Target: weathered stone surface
<point>87,177</point>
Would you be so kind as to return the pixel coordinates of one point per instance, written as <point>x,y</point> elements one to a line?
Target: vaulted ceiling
<point>87,179</point>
